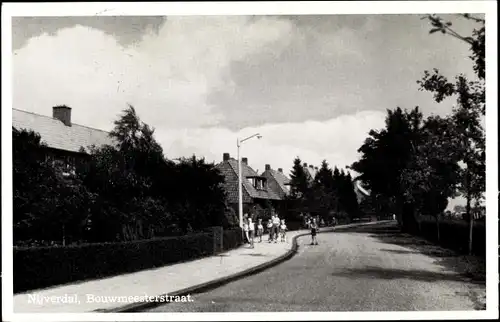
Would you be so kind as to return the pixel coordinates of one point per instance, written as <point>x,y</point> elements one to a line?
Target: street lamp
<point>240,188</point>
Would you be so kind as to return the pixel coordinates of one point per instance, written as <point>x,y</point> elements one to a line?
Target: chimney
<point>226,157</point>
<point>244,161</point>
<point>268,167</point>
<point>305,165</point>
<point>280,170</point>
<point>62,113</point>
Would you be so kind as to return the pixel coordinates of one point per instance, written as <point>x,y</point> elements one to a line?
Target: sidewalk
<point>153,282</point>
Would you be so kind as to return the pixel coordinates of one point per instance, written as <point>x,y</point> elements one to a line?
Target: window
<point>260,184</point>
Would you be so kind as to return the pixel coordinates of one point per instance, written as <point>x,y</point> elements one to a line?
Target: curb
<point>201,288</point>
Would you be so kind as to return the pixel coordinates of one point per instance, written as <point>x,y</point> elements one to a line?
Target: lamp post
<point>240,183</point>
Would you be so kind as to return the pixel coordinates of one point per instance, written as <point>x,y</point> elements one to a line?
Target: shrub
<point>232,238</point>
<point>48,266</point>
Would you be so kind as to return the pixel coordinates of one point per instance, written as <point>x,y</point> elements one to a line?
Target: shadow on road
<point>470,267</point>
<point>389,273</point>
<point>253,254</point>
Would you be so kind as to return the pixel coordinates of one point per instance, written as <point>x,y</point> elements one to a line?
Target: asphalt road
<point>364,269</point>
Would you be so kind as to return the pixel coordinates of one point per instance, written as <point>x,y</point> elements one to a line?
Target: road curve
<point>371,268</point>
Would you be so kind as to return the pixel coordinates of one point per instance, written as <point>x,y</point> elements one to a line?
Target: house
<point>64,139</point>
<point>310,171</point>
<point>361,193</point>
<point>258,196</point>
<point>277,181</point>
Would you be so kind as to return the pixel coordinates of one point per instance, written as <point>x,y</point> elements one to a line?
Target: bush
<point>294,225</point>
<point>48,266</point>
<point>232,239</point>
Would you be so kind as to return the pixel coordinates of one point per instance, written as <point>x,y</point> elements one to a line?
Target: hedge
<point>43,267</point>
<point>455,235</point>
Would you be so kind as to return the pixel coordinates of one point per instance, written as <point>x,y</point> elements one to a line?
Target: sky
<point>312,86</point>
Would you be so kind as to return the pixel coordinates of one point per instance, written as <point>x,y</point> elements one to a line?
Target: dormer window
<point>258,183</point>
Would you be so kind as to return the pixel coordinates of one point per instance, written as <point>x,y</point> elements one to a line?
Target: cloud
<point>312,86</point>
<point>166,76</point>
<point>335,140</point>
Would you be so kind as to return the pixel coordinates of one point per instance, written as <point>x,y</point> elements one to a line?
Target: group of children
<point>275,227</point>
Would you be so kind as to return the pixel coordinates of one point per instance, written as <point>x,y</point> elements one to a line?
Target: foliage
<point>44,195</point>
<point>121,192</point>
<point>469,140</point>
<point>48,266</point>
<point>412,166</point>
<point>322,197</point>
<point>386,154</point>
<point>299,184</point>
<point>331,193</point>
<point>476,41</point>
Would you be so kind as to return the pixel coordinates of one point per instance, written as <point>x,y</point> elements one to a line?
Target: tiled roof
<point>358,187</point>
<point>280,178</point>
<point>57,135</point>
<point>230,171</point>
<point>361,193</point>
<point>311,172</point>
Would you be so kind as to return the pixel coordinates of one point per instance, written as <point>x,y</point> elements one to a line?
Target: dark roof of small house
<point>247,172</point>
<point>57,135</point>
<point>280,178</point>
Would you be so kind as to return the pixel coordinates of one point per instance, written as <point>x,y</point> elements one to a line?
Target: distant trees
<point>125,191</point>
<point>330,193</point>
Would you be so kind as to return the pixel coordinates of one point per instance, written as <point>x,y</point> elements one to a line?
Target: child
<point>314,230</point>
<point>270,229</point>
<point>283,230</point>
<point>245,228</point>
<point>276,227</point>
<point>260,230</point>
<point>251,231</point>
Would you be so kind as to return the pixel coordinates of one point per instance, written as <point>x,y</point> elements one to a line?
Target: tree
<point>299,184</point>
<point>140,193</point>
<point>322,198</point>
<point>129,179</point>
<point>48,206</point>
<point>200,193</point>
<point>433,172</point>
<point>350,200</point>
<point>385,155</point>
<point>466,116</point>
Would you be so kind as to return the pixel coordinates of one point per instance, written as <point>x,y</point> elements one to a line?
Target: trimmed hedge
<point>232,239</point>
<point>43,267</point>
<point>455,235</point>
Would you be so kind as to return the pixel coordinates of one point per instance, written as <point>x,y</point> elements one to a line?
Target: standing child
<point>245,228</point>
<point>314,231</point>
<point>276,227</point>
<point>283,230</point>
<point>260,230</point>
<point>270,229</point>
<point>251,231</point>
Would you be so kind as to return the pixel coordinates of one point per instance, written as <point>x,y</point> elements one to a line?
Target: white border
<point>255,8</point>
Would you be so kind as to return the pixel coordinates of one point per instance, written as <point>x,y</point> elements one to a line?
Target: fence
<point>454,234</point>
<point>41,267</point>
